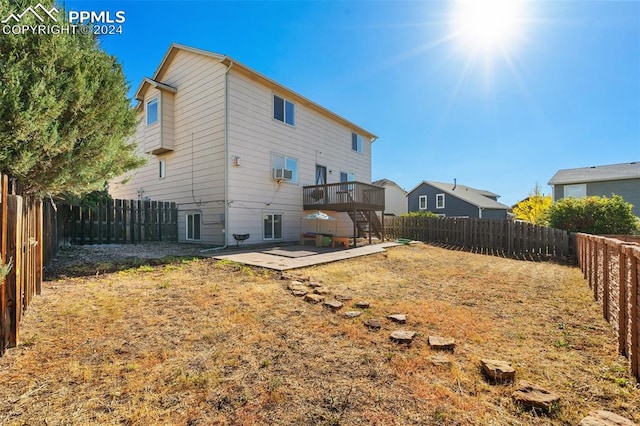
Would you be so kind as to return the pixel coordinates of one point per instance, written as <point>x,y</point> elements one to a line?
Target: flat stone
<point>403,336</point>
<point>439,360</point>
<point>321,290</point>
<point>352,314</point>
<point>299,293</point>
<point>373,324</point>
<point>605,418</point>
<point>497,371</point>
<point>314,298</point>
<point>344,297</point>
<point>296,285</point>
<point>442,343</point>
<point>334,305</point>
<point>532,396</point>
<point>362,305</point>
<point>315,284</point>
<point>399,318</point>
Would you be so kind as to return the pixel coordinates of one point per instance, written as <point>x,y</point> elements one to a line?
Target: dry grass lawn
<point>203,342</point>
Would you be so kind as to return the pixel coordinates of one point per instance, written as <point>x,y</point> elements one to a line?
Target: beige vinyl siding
<point>255,135</point>
<point>195,168</point>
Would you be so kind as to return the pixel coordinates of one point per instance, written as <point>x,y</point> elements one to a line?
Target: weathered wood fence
<point>21,247</point>
<point>118,222</point>
<point>498,237</point>
<point>611,267</point>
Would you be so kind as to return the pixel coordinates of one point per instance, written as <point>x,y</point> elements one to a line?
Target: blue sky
<point>563,93</point>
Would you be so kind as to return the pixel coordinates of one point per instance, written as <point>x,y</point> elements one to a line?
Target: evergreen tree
<point>65,119</point>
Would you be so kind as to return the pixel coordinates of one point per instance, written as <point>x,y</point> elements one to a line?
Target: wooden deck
<point>343,197</point>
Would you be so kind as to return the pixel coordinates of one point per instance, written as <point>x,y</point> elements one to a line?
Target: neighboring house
<point>241,154</point>
<point>455,200</point>
<point>620,179</point>
<point>395,198</point>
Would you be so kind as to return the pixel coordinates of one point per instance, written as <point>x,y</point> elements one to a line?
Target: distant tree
<point>594,215</point>
<point>534,208</point>
<point>422,213</point>
<point>65,119</point>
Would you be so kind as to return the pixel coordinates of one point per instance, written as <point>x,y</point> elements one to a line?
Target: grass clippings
<point>203,342</point>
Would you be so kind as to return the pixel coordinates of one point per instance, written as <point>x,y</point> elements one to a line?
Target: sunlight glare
<point>488,24</point>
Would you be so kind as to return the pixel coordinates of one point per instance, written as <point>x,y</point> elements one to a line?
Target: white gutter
<point>226,161</point>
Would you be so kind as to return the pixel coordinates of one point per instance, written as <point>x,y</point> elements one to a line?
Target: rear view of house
<point>455,200</point>
<point>241,154</point>
<point>620,179</point>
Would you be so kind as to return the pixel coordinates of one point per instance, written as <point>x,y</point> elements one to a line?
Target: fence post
<point>605,280</point>
<point>14,278</point>
<point>634,253</point>
<point>4,324</point>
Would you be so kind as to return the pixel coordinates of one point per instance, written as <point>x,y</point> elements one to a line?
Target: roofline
<point>572,182</point>
<point>151,82</point>
<point>456,195</point>
<point>255,75</point>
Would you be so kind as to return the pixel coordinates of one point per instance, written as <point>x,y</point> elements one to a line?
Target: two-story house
<point>455,200</point>
<point>241,154</point>
<point>620,179</point>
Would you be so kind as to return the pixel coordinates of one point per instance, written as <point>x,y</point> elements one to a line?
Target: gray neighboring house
<point>395,197</point>
<point>620,179</point>
<point>455,200</point>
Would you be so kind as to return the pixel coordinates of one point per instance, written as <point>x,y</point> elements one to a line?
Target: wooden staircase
<point>365,227</point>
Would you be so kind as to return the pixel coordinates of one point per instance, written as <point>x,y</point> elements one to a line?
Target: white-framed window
<point>576,191</point>
<point>152,111</point>
<point>284,168</point>
<point>422,202</point>
<point>356,142</point>
<point>439,201</point>
<point>193,226</point>
<point>284,110</point>
<point>162,168</point>
<point>272,226</point>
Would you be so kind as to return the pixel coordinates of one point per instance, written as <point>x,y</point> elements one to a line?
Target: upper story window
<point>284,168</point>
<point>422,202</point>
<point>284,110</point>
<point>162,168</point>
<point>576,191</point>
<point>356,142</point>
<point>152,111</point>
<point>440,201</point>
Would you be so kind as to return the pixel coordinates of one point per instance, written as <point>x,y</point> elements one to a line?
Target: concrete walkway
<point>284,258</point>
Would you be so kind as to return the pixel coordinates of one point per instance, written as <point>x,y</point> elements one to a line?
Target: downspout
<point>480,212</point>
<point>226,160</point>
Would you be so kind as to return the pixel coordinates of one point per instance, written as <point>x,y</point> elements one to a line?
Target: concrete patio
<point>292,257</point>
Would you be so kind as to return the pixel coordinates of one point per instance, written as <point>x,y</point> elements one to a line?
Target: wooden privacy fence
<point>491,236</point>
<point>21,247</point>
<point>118,222</point>
<point>611,267</point>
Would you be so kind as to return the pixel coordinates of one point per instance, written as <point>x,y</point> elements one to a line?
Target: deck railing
<point>343,197</point>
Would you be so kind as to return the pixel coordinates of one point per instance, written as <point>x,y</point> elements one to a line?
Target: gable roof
<point>384,182</point>
<point>620,171</point>
<point>476,197</point>
<point>253,75</point>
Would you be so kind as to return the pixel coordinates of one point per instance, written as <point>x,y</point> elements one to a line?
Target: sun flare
<point>488,24</point>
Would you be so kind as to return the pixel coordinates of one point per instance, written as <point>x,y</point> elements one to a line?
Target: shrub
<point>594,215</point>
<point>422,213</point>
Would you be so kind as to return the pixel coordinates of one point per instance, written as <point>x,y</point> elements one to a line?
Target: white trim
<point>272,214</point>
<point>359,143</point>
<point>420,198</point>
<point>284,109</point>
<point>440,197</point>
<point>146,111</point>
<point>186,228</point>
<point>162,168</point>
<point>581,187</point>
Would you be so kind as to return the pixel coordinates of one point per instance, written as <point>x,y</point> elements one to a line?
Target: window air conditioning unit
<point>282,174</point>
